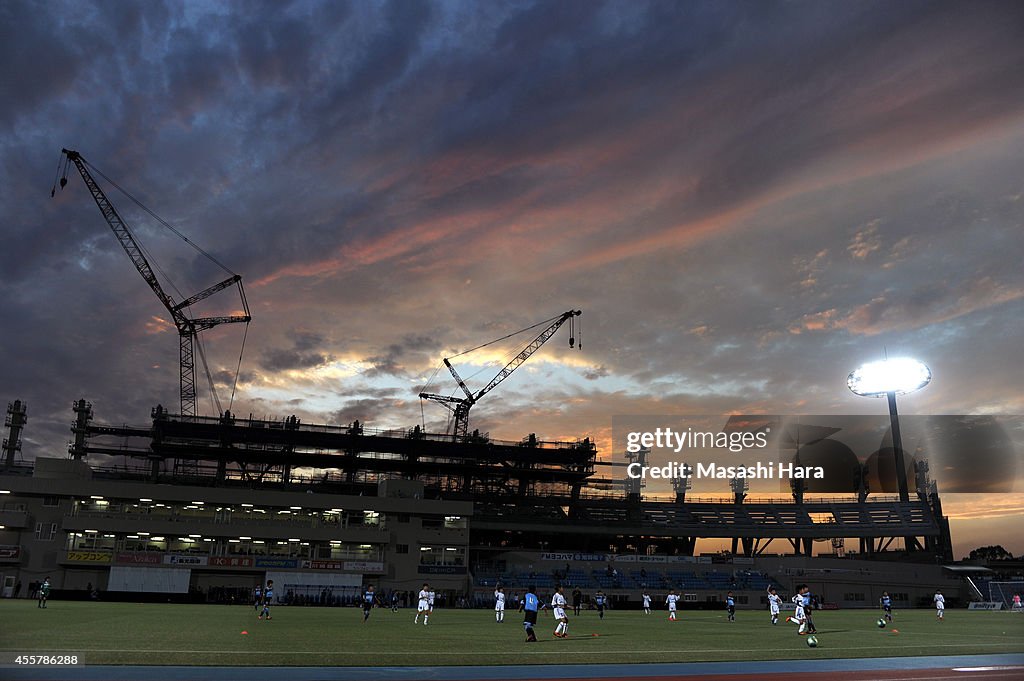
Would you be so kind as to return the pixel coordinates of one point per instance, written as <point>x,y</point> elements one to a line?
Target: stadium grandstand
<point>206,508</point>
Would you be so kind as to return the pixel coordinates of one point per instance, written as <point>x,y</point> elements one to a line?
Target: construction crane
<point>188,327</point>
<point>460,406</point>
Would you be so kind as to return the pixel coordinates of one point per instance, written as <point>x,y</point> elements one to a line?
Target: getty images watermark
<point>834,454</point>
<point>667,438</point>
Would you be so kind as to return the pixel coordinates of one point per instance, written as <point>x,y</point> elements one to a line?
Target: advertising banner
<point>88,557</point>
<point>140,558</point>
<point>442,570</point>
<point>280,563</point>
<point>180,559</point>
<point>563,557</point>
<point>234,561</point>
<point>323,565</point>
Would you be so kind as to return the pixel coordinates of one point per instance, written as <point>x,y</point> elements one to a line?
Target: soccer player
<point>885,602</point>
<point>424,605</point>
<point>268,598</point>
<point>1016,603</point>
<point>577,601</point>
<point>499,605</point>
<point>369,599</point>
<point>799,617</point>
<point>600,600</point>
<point>940,604</point>
<point>530,606</point>
<point>430,602</point>
<point>774,604</point>
<point>394,601</point>
<point>257,598</point>
<point>809,603</point>
<point>671,600</point>
<point>730,606</point>
<point>647,603</point>
<point>44,593</point>
<point>558,606</point>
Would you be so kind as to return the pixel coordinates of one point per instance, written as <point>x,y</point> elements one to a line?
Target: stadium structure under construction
<point>193,507</point>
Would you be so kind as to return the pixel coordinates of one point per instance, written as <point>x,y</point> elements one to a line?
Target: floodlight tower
<point>17,417</point>
<point>889,378</point>
<point>682,485</point>
<point>739,489</point>
<point>635,485</point>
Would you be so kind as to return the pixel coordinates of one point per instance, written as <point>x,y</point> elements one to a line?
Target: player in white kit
<point>499,605</point>
<point>774,604</point>
<point>423,607</point>
<point>671,600</point>
<point>558,606</point>
<point>799,616</point>
<point>647,603</point>
<point>940,604</point>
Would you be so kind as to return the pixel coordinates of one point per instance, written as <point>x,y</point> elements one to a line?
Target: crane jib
<point>188,327</point>
<point>460,406</point>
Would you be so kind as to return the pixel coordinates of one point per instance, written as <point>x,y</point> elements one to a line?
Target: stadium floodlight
<point>896,376</point>
<point>889,378</point>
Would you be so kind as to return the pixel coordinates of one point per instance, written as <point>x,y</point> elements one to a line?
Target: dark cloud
<point>304,354</point>
<point>746,200</point>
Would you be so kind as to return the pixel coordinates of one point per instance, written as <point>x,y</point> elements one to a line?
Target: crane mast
<point>188,327</point>
<point>460,406</point>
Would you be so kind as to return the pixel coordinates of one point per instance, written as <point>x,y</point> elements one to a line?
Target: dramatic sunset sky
<point>746,199</point>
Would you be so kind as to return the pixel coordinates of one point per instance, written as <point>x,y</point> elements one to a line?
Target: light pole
<point>889,378</point>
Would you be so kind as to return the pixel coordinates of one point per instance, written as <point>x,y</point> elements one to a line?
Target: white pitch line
<point>632,651</point>
<point>986,669</point>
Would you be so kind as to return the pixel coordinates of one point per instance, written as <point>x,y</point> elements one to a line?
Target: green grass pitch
<point>129,633</point>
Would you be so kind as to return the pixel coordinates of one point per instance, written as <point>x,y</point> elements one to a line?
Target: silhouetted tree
<point>990,553</point>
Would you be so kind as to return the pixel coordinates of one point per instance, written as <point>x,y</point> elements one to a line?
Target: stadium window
<point>455,522</point>
<point>401,548</point>
<point>51,502</point>
<point>453,555</point>
<point>46,531</point>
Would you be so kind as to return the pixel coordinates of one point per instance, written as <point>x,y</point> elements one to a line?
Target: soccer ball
<point>880,623</point>
<point>812,641</point>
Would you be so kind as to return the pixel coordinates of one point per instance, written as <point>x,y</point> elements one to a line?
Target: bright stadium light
<point>899,376</point>
<point>889,378</point>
